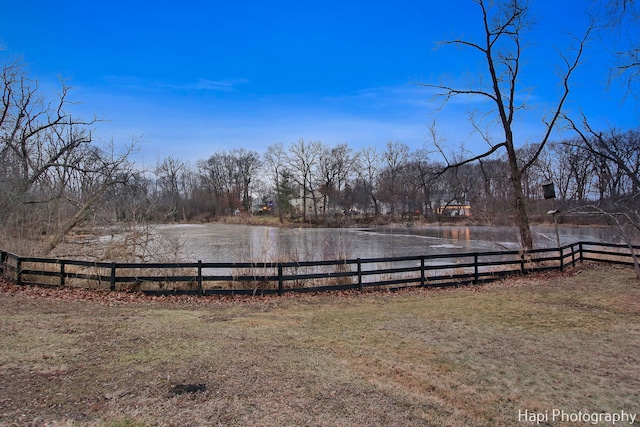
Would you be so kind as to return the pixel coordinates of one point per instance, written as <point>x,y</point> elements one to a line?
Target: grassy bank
<point>470,356</point>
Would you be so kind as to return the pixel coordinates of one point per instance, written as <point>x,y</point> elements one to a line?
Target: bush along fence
<point>247,278</point>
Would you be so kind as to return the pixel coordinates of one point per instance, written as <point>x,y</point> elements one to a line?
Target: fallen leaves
<point>126,297</point>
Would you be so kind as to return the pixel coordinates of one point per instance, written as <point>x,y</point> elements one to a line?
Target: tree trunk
<point>522,218</point>
<point>520,206</point>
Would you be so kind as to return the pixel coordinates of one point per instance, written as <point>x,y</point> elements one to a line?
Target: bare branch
<point>571,66</point>
<point>599,146</point>
<point>450,92</point>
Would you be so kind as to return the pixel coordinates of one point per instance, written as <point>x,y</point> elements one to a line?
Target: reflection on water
<point>238,243</point>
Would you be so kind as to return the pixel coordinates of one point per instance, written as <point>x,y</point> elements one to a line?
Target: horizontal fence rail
<point>251,278</point>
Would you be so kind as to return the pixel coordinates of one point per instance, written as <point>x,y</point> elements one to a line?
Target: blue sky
<point>192,78</point>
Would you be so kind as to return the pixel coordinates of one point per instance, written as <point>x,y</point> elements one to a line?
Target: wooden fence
<point>206,278</point>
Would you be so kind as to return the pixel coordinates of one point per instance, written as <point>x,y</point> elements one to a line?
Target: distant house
<point>453,208</point>
<point>308,199</point>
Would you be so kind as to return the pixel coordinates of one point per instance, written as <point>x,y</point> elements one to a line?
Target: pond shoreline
<point>234,241</point>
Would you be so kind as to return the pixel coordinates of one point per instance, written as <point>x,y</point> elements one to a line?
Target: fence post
<point>19,270</point>
<point>200,277</point>
<point>113,277</point>
<point>3,260</point>
<point>359,275</point>
<point>475,269</point>
<point>280,280</point>
<point>573,255</point>
<point>62,274</point>
<point>422,273</point>
<point>580,251</point>
<point>522,262</point>
<point>561,254</point>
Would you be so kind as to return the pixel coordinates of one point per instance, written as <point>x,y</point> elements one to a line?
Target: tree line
<point>313,181</point>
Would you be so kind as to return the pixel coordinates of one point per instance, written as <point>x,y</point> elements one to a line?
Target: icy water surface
<point>239,243</point>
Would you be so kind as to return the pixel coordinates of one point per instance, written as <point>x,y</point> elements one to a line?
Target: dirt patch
<point>178,389</point>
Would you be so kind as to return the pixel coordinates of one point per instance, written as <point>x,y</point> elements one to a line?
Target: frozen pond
<point>239,243</point>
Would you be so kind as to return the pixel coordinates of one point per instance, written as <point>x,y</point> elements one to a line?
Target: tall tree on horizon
<point>501,48</point>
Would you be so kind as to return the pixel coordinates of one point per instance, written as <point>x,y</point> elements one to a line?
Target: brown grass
<point>469,356</point>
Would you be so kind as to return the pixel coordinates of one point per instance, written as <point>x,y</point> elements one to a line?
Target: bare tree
<point>624,218</point>
<point>53,175</point>
<point>493,192</point>
<point>98,171</point>
<point>571,168</point>
<point>303,158</point>
<point>168,174</point>
<point>425,169</point>
<point>228,178</point>
<point>275,166</point>
<point>35,134</point>
<point>213,181</point>
<point>335,165</point>
<point>501,48</point>
<point>248,163</point>
<point>395,159</point>
<point>132,202</point>
<point>617,158</point>
<point>620,149</point>
<point>369,165</point>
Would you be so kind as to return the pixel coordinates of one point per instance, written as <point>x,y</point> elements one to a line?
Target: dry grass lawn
<point>475,356</point>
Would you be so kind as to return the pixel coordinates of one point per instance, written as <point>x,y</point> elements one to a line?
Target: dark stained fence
<point>205,278</point>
